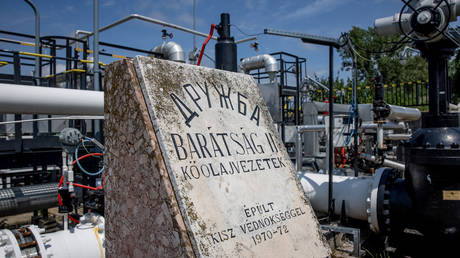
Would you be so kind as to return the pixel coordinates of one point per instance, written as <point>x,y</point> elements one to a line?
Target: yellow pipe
<point>91,51</point>
<point>75,70</point>
<point>91,61</point>
<point>2,63</point>
<point>27,44</point>
<point>34,54</point>
<point>118,56</point>
<point>81,50</point>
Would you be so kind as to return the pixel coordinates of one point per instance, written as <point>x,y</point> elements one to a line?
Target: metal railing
<point>408,94</point>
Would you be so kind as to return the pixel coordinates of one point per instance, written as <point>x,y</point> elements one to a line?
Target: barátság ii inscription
<point>234,182</point>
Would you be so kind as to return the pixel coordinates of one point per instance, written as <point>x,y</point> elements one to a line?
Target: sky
<point>319,17</point>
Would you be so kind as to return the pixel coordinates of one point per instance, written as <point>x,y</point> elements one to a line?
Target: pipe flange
<point>378,201</point>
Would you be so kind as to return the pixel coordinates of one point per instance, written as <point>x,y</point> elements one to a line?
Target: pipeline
<point>357,194</point>
<point>261,61</point>
<point>21,99</point>
<point>84,240</point>
<point>386,162</point>
<point>23,199</point>
<point>171,51</point>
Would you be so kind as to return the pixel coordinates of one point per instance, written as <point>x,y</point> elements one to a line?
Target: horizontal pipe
<point>23,199</point>
<point>21,99</point>
<point>310,128</point>
<point>397,137</point>
<point>53,118</point>
<point>353,191</point>
<point>386,162</point>
<point>246,40</point>
<point>151,20</point>
<point>386,126</point>
<point>399,113</point>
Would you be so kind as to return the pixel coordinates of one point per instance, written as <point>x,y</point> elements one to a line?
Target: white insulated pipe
<point>353,190</point>
<point>22,99</point>
<point>261,61</point>
<point>399,113</point>
<point>84,240</point>
<point>171,51</point>
<point>359,194</point>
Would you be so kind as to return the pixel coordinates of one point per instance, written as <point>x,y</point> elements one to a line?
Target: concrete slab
<point>230,174</point>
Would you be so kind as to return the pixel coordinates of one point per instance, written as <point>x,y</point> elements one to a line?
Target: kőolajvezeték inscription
<point>233,179</point>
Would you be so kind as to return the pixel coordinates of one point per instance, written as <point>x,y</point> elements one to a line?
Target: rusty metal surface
<point>235,185</point>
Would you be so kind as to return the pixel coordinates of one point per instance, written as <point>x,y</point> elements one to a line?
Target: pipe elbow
<point>171,51</point>
<point>261,61</point>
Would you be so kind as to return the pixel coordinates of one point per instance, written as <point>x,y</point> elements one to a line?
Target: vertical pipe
<point>298,145</point>
<point>37,41</point>
<point>355,117</point>
<point>297,94</point>
<point>194,24</point>
<point>380,144</point>
<point>96,80</point>
<point>17,126</point>
<point>331,130</point>
<point>226,50</point>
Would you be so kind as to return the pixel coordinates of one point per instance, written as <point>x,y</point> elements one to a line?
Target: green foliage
<point>374,52</point>
<point>454,73</point>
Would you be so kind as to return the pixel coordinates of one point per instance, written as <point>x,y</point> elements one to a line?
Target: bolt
<point>440,145</point>
<point>424,17</point>
<point>426,145</point>
<point>454,145</point>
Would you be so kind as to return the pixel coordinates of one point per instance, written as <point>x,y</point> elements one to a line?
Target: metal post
<point>37,41</point>
<point>97,126</point>
<point>331,130</point>
<point>17,127</point>
<point>355,117</point>
<point>299,156</point>
<point>194,24</point>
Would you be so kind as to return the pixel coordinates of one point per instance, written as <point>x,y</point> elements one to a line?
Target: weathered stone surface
<point>232,178</point>
<point>141,212</point>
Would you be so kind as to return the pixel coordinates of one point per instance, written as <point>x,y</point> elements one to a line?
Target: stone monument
<point>195,167</point>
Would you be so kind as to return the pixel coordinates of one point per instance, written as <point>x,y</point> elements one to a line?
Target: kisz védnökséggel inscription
<point>199,146</point>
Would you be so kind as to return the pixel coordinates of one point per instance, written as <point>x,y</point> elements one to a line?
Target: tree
<point>384,53</point>
<point>454,73</point>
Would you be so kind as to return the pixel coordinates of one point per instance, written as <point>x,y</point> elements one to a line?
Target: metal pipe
<point>324,87</point>
<point>331,132</point>
<point>21,99</point>
<point>171,51</point>
<point>351,191</point>
<point>261,61</point>
<point>380,144</point>
<point>386,126</point>
<point>397,137</point>
<point>246,39</point>
<point>53,118</point>
<point>299,156</point>
<point>96,72</point>
<point>300,130</point>
<point>151,20</point>
<point>310,128</point>
<point>23,199</point>
<point>194,24</point>
<point>404,113</point>
<point>37,40</point>
<point>355,116</point>
<point>386,162</point>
